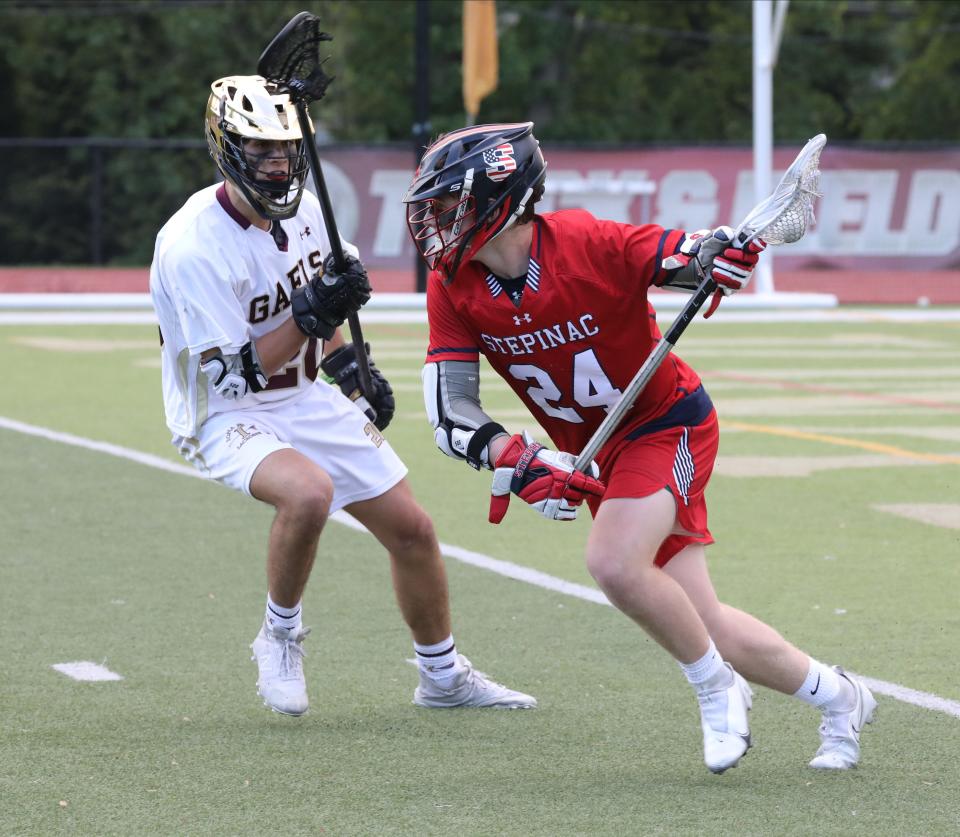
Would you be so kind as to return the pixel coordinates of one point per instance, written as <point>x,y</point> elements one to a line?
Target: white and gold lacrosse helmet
<point>249,107</point>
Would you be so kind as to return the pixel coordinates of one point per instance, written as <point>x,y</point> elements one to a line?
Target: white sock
<point>437,661</point>
<point>278,616</point>
<point>824,688</point>
<point>709,672</point>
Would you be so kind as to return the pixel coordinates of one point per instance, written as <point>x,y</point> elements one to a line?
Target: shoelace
<point>291,655</point>
<point>469,683</point>
<point>477,679</point>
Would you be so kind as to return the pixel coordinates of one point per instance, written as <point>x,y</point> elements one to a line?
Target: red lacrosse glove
<point>542,478</point>
<point>733,263</point>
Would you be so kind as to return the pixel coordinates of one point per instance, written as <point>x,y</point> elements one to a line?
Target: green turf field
<point>836,508</point>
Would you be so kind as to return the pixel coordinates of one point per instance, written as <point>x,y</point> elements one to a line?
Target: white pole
<point>763,124</point>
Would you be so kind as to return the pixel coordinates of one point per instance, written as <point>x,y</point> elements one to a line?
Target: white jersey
<point>218,281</point>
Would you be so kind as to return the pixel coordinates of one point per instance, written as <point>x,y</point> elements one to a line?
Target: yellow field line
<point>875,447</point>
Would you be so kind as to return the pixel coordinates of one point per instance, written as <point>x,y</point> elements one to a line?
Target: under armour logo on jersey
<point>499,162</point>
<point>304,232</point>
<point>517,319</point>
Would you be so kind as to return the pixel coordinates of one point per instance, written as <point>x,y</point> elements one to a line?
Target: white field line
<point>86,671</point>
<point>925,700</point>
<point>504,568</point>
<point>101,447</point>
<point>922,699</point>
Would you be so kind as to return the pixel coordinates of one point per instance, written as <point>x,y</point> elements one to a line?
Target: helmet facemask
<point>437,224</point>
<point>446,235</point>
<point>472,186</point>
<point>272,195</point>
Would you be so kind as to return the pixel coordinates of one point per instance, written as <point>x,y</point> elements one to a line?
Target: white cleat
<point>723,718</point>
<point>840,731</point>
<point>278,653</point>
<point>468,687</point>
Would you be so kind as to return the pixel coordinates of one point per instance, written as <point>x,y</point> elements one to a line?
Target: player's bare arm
<point>275,348</point>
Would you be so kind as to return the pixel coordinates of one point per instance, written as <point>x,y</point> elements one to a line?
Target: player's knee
<point>605,567</point>
<point>308,501</point>
<point>415,536</point>
<point>613,571</point>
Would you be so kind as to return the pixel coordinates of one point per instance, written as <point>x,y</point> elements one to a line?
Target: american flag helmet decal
<point>499,162</point>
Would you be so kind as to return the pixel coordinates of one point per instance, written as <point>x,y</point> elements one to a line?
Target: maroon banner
<point>880,210</point>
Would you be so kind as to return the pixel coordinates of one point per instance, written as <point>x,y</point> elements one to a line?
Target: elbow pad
<point>470,445</point>
<point>461,429</point>
<point>252,371</point>
<point>233,376</point>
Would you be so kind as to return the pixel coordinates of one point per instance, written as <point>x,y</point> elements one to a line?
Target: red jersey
<point>580,331</point>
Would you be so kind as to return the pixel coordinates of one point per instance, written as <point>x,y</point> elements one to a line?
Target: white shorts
<point>323,425</point>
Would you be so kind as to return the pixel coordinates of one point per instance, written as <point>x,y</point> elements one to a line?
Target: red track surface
<point>851,287</point>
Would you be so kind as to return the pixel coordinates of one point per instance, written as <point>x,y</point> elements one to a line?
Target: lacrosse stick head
<point>292,59</point>
<point>784,217</point>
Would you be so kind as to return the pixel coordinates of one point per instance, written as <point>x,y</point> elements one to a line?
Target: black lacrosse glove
<point>320,306</point>
<point>342,368</point>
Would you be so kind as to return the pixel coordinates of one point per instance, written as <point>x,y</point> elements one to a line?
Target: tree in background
<point>586,71</point>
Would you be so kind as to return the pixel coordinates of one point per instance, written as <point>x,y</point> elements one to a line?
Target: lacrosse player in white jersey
<point>249,308</point>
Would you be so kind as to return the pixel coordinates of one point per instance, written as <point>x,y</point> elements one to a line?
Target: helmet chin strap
<point>247,208</point>
<point>244,188</point>
<point>461,211</point>
<point>462,206</point>
<point>515,215</point>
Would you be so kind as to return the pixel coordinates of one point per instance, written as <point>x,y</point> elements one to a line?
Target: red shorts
<point>679,459</point>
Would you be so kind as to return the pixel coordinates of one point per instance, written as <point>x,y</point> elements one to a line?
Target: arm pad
<point>451,394</point>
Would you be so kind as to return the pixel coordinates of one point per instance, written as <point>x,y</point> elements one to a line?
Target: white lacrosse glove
<point>542,478</point>
<point>226,376</point>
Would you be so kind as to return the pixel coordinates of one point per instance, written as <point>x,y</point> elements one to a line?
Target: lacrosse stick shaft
<point>336,248</point>
<point>644,374</point>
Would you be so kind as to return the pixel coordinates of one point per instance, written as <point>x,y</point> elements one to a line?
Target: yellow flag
<point>479,53</point>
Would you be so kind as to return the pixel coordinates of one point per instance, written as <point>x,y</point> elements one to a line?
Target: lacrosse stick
<point>782,218</point>
<point>292,62</point>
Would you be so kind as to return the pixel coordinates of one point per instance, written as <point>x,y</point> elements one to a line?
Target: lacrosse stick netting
<point>783,218</point>
<point>292,59</point>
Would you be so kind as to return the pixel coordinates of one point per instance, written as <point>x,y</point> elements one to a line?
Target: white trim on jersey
<point>533,275</point>
<point>533,279</point>
<point>683,467</point>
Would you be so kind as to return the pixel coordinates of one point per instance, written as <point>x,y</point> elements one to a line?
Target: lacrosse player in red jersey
<point>558,305</point>
<point>246,296</point>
